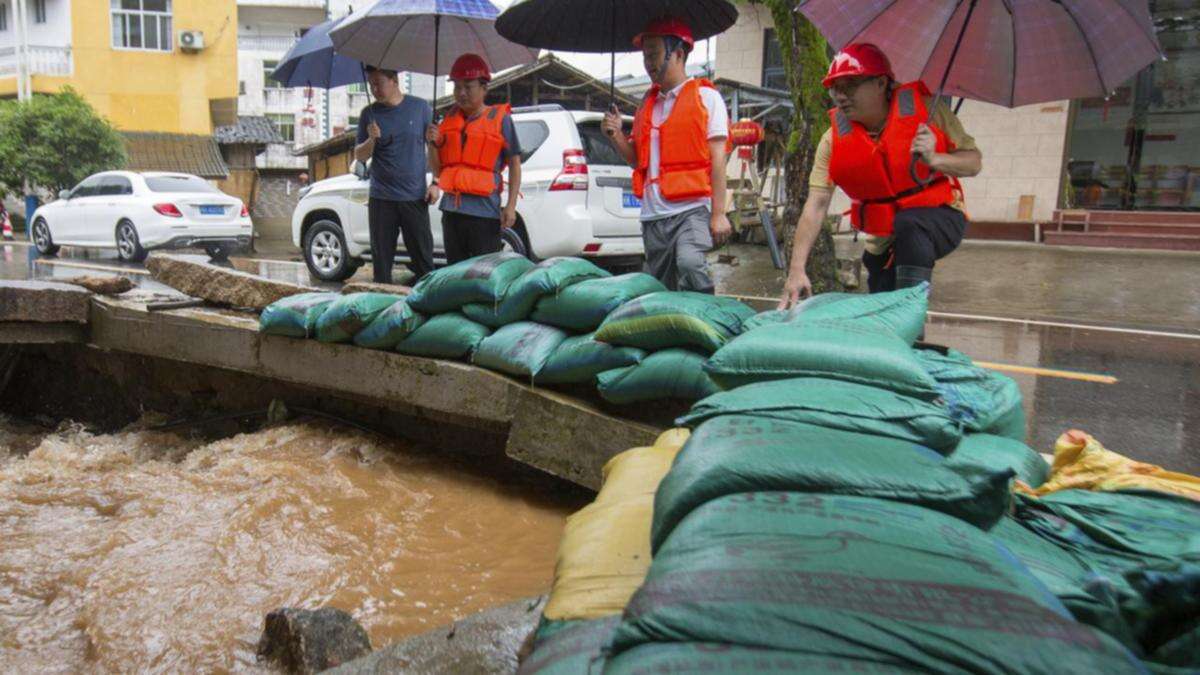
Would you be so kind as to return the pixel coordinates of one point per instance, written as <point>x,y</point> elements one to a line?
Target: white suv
<point>576,199</point>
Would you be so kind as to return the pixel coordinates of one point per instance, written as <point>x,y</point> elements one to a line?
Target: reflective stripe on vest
<point>874,173</point>
<point>684,158</point>
<point>470,150</point>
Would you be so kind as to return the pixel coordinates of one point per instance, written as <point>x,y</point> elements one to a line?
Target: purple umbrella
<point>1008,52</point>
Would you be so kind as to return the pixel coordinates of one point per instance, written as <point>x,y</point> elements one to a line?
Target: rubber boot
<point>908,276</point>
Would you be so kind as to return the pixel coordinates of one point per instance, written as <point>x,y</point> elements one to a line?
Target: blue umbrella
<point>312,62</point>
<point>396,34</point>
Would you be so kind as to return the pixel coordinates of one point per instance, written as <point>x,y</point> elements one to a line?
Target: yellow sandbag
<point>1081,463</point>
<point>605,549</point>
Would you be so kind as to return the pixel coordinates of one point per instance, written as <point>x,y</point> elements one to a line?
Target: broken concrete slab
<point>220,285</point>
<point>43,302</point>
<point>311,641</point>
<point>102,285</point>
<point>370,287</point>
<point>30,333</point>
<point>484,643</point>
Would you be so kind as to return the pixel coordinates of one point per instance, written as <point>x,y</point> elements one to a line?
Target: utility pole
<point>24,77</point>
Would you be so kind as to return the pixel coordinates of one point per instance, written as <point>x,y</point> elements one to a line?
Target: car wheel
<point>41,238</point>
<point>514,239</point>
<point>129,245</point>
<point>325,252</point>
<point>218,252</point>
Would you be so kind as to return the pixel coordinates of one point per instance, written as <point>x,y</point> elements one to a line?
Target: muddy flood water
<point>149,551</point>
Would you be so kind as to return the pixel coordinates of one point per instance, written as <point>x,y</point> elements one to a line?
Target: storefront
<point>1139,149</point>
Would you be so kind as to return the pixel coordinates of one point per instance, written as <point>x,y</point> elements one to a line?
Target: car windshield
<point>179,184</point>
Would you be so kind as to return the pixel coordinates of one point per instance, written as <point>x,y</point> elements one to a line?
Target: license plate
<point>207,210</point>
<point>630,201</point>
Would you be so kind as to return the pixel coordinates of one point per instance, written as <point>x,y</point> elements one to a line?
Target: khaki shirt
<point>942,117</point>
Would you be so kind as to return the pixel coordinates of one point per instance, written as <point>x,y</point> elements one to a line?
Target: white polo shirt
<point>653,204</point>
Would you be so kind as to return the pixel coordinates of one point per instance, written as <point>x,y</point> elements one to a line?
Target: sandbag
<point>671,373</point>
<point>837,405</point>
<point>983,400</point>
<point>349,314</point>
<point>743,453</point>
<point>583,306</point>
<point>445,336</point>
<point>521,348</point>
<point>483,279</point>
<point>855,578</point>
<point>726,659</point>
<point>391,326</point>
<point>900,312</point>
<point>675,319</point>
<point>1081,462</point>
<point>998,452</point>
<point>605,549</point>
<point>767,318</point>
<point>821,348</point>
<point>295,315</point>
<point>570,647</point>
<point>549,277</point>
<point>579,359</point>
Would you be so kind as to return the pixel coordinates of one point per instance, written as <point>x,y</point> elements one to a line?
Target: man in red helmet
<point>877,125</point>
<point>678,154</point>
<point>474,144</point>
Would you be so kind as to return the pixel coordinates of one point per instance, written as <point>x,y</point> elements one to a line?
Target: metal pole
<point>24,86</point>
<point>327,126</point>
<point>437,45</point>
<point>912,166</point>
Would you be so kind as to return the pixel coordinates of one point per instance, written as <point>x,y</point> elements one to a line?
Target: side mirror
<point>361,170</point>
<point>64,194</point>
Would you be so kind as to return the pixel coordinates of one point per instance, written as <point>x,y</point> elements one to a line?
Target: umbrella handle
<point>912,172</point>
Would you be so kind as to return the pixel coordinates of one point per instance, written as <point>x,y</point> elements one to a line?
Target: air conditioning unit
<point>191,40</point>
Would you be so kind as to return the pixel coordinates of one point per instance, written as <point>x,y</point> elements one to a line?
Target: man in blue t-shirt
<point>391,133</point>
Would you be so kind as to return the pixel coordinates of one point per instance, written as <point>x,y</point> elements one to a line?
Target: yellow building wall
<point>141,90</point>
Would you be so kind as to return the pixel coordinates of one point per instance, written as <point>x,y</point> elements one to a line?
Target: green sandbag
<point>549,277</point>
<point>724,659</point>
<point>445,336</point>
<point>675,319</point>
<point>742,453</point>
<point>583,306</point>
<point>580,359</point>
<point>671,373</point>
<point>483,279</point>
<point>767,318</point>
<point>828,349</point>
<point>902,312</point>
<point>391,326</point>
<point>862,579</point>
<point>569,647</point>
<point>295,315</point>
<point>520,348</point>
<point>985,401</point>
<point>837,405</point>
<point>998,452</point>
<point>349,314</point>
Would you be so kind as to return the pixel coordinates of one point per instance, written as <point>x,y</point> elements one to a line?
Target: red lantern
<point>746,133</point>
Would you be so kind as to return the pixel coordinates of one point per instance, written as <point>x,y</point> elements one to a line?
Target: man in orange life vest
<point>678,154</point>
<point>474,144</point>
<point>877,126</point>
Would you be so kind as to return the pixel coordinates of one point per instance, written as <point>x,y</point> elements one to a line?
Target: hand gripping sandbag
<point>549,277</point>
<point>669,374</point>
<point>742,453</point>
<point>445,336</point>
<point>391,326</point>
<point>675,319</point>
<point>902,312</point>
<point>521,348</point>
<point>826,348</point>
<point>837,405</point>
<point>983,400</point>
<point>295,315</point>
<point>579,359</point>
<point>583,306</point>
<point>869,580</point>
<point>481,279</point>
<point>349,314</point>
<point>998,452</point>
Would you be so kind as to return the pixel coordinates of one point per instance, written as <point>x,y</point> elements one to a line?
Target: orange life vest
<point>685,162</point>
<point>470,150</point>
<point>875,173</point>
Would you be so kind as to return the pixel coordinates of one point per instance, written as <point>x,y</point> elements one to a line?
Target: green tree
<point>805,61</point>
<point>53,141</point>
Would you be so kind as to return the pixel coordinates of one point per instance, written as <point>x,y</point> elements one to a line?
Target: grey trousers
<point>675,248</point>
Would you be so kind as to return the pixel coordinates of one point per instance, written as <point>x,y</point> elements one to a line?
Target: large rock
<point>306,641</point>
<point>102,285</point>
<point>43,302</point>
<point>219,285</point>
<point>483,644</point>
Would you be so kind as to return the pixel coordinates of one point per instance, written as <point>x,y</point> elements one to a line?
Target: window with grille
<point>3,16</point>
<point>773,75</point>
<point>285,124</point>
<point>141,24</point>
<point>39,11</point>
<point>269,67</point>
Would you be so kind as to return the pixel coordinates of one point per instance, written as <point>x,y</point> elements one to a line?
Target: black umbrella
<point>600,26</point>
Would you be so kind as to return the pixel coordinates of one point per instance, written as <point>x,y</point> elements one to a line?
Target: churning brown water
<point>145,551</point>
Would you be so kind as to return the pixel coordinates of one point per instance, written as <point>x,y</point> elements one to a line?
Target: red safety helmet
<point>856,60</point>
<point>664,27</point>
<point>470,67</point>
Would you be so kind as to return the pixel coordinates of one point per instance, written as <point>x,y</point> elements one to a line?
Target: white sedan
<point>137,212</point>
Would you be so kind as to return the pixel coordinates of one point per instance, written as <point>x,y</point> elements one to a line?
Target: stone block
<point>218,285</point>
<point>43,302</point>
